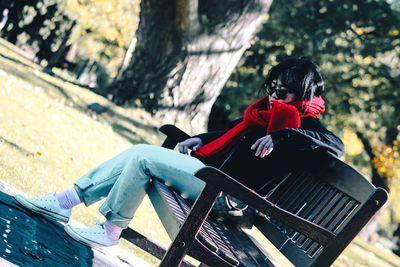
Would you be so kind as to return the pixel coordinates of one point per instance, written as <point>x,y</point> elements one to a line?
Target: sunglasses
<point>280,93</point>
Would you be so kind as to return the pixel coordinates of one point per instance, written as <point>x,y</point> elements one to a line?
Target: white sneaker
<point>47,206</point>
<point>95,236</point>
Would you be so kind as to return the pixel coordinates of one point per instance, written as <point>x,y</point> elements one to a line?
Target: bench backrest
<point>327,192</point>
<point>322,190</point>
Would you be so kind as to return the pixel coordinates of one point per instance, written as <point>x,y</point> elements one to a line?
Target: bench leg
<point>186,235</point>
<point>143,243</point>
<point>147,245</point>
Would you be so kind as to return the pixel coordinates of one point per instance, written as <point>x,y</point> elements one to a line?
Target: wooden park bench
<point>310,216</point>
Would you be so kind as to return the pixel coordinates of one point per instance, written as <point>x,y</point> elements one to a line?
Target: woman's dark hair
<point>300,75</point>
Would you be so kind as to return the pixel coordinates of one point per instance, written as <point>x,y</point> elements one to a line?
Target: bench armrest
<point>174,135</point>
<point>229,185</point>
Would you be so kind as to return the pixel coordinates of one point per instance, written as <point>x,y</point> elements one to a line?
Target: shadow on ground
<point>28,239</point>
<point>121,124</point>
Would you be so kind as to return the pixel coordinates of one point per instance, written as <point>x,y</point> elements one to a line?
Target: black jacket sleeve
<point>311,136</point>
<point>210,136</point>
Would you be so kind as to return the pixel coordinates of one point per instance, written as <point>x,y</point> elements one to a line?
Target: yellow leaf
<point>359,31</point>
<point>394,32</point>
<point>352,143</point>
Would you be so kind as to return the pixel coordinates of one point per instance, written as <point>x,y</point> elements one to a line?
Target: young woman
<point>273,132</point>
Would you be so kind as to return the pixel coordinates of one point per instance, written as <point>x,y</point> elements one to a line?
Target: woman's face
<point>280,93</point>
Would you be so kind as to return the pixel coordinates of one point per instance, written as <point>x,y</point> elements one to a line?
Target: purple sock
<point>68,198</point>
<point>113,232</point>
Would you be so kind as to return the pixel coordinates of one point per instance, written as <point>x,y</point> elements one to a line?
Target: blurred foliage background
<point>357,46</point>
<point>89,38</point>
<point>355,42</point>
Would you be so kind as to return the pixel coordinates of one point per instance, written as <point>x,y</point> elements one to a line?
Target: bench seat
<point>215,244</point>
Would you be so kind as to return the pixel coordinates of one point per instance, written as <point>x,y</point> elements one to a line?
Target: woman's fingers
<point>191,143</point>
<point>196,147</point>
<point>255,145</point>
<point>263,146</point>
<point>196,143</point>
<point>182,148</point>
<point>267,151</point>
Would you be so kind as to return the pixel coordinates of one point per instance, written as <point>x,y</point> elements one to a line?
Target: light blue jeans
<point>123,180</point>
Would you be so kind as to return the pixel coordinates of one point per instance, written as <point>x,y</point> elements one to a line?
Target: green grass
<point>48,139</point>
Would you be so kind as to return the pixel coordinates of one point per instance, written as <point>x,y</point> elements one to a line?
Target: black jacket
<point>289,146</point>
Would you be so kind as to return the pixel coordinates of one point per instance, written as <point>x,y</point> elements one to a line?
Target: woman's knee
<point>139,150</point>
<point>141,153</point>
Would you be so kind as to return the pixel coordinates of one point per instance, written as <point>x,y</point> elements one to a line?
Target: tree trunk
<point>61,49</point>
<point>184,54</point>
<point>126,60</point>
<point>378,181</point>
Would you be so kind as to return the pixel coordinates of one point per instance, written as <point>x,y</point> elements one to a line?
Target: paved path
<point>28,239</point>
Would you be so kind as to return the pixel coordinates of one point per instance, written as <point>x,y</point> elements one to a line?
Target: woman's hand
<point>263,146</point>
<point>193,143</point>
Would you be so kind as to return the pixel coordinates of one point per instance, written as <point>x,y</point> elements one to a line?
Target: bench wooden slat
<point>171,201</point>
<point>221,180</point>
<point>335,211</point>
<point>200,252</point>
<point>207,234</point>
<point>252,253</point>
<point>175,204</point>
<point>143,243</point>
<point>298,197</point>
<point>308,204</point>
<point>363,214</point>
<point>346,212</point>
<point>344,178</point>
<point>287,190</point>
<point>307,244</point>
<point>295,193</point>
<point>210,233</point>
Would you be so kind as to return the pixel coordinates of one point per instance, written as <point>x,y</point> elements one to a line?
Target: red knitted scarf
<point>279,117</point>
